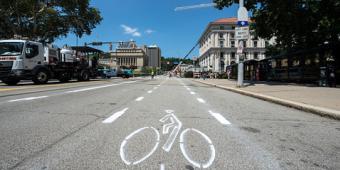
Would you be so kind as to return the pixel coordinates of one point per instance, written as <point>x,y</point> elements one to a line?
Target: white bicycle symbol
<point>176,125</point>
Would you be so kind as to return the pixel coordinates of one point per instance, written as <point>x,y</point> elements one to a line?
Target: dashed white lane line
<point>162,167</point>
<point>115,116</point>
<point>150,91</point>
<point>192,93</point>
<point>200,100</point>
<point>219,118</point>
<point>28,98</point>
<point>139,99</point>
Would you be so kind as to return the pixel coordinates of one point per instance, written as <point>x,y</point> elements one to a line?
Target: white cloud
<point>195,6</point>
<point>131,31</point>
<point>149,31</point>
<point>136,34</point>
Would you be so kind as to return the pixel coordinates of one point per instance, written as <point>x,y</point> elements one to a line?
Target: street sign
<point>241,33</point>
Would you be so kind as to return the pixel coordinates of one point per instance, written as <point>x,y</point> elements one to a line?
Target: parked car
<point>107,73</point>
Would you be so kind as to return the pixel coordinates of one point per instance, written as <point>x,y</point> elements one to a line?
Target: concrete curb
<point>297,105</point>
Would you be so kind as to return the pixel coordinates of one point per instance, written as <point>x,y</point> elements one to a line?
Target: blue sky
<point>152,22</point>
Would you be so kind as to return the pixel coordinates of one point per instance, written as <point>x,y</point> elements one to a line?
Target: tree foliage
<point>294,23</point>
<point>45,20</point>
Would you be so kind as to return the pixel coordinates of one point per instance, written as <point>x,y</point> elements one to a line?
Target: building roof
<point>225,20</point>
<point>86,49</point>
<point>232,20</point>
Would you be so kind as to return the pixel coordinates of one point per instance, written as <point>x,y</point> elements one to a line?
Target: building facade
<point>129,56</point>
<point>153,54</point>
<point>218,46</point>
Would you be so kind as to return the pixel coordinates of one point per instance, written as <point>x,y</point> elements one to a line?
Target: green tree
<point>294,23</point>
<point>45,20</point>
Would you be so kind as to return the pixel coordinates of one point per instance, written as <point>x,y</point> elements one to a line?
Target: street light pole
<point>240,55</point>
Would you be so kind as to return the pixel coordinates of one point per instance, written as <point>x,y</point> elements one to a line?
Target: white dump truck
<point>29,60</point>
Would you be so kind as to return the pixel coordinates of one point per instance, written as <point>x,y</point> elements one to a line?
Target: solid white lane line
<point>139,99</point>
<point>219,118</point>
<point>115,116</point>
<point>192,92</point>
<point>98,87</point>
<point>200,100</point>
<point>28,98</point>
<point>150,91</point>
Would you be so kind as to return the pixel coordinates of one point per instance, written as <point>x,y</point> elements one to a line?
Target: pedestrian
<point>152,74</point>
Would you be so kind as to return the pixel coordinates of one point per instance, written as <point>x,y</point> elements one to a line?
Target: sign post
<point>241,34</point>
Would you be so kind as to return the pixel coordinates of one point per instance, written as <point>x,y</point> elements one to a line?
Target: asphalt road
<point>157,124</point>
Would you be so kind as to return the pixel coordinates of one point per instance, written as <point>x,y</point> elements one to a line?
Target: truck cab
<point>19,59</point>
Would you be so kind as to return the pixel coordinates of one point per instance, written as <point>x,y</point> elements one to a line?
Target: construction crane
<point>121,44</point>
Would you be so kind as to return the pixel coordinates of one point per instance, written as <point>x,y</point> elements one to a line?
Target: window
<point>255,43</point>
<point>244,44</point>
<point>221,27</point>
<point>232,43</point>
<point>273,64</point>
<point>221,43</point>
<point>232,35</point>
<point>256,56</point>
<point>220,35</point>
<point>222,55</point>
<point>284,63</point>
<point>232,56</point>
<point>31,50</point>
<point>296,62</point>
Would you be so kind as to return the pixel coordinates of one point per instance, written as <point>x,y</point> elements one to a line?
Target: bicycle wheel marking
<point>197,164</point>
<point>122,153</point>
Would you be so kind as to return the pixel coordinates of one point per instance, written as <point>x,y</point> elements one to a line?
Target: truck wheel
<point>11,82</point>
<point>84,76</point>
<point>41,77</point>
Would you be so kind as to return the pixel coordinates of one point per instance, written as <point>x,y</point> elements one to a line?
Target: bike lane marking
<point>115,116</point>
<point>122,153</point>
<point>212,148</point>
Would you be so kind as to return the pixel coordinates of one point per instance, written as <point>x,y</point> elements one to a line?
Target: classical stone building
<point>217,46</point>
<point>129,55</point>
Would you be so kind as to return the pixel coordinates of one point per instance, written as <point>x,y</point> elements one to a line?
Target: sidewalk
<point>320,100</point>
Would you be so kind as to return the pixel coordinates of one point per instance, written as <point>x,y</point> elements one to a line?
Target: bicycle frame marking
<point>176,124</point>
<point>122,154</point>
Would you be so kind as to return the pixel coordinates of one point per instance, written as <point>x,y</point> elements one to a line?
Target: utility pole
<point>241,33</point>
